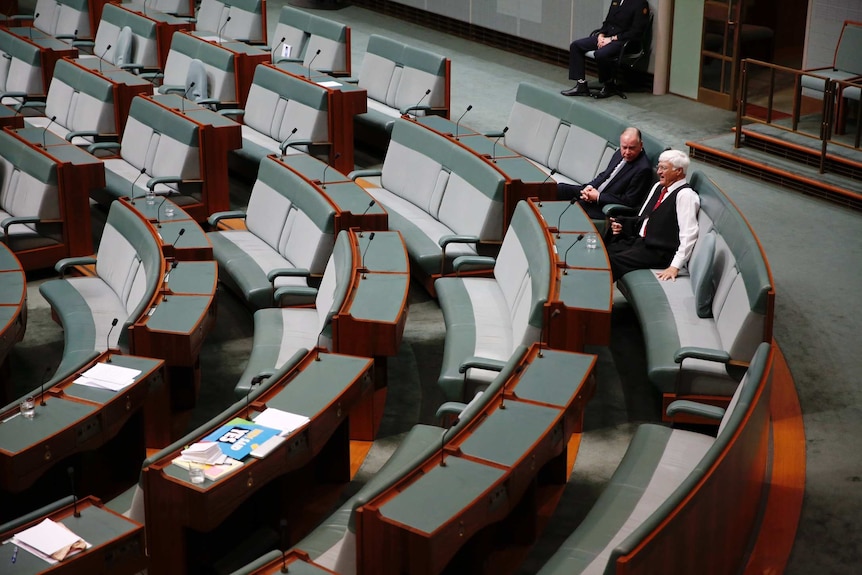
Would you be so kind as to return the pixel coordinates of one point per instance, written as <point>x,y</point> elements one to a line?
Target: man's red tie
<point>660,198</point>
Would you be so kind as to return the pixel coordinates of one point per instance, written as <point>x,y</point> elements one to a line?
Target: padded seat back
<point>80,100</point>
<point>292,30</point>
<point>218,62</point>
<point>291,217</point>
<point>156,141</point>
<point>451,184</point>
<point>63,18</point>
<point>176,7</point>
<point>246,19</point>
<point>28,182</point>
<point>306,33</point>
<point>140,48</point>
<point>20,66</point>
<point>278,102</point>
<point>336,280</point>
<point>849,48</point>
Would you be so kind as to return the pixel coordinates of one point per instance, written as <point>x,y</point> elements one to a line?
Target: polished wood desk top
<point>117,544</point>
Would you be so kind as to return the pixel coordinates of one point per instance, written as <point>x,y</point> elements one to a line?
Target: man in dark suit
<point>625,180</point>
<point>663,233</point>
<point>626,20</point>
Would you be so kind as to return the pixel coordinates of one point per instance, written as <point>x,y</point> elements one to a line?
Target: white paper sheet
<point>278,419</point>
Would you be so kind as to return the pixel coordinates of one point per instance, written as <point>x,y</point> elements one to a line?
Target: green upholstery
<point>848,50</point>
<point>27,159</point>
<point>700,269</point>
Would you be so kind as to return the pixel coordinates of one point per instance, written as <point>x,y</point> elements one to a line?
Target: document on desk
<point>284,421</point>
<point>329,84</point>
<point>50,541</point>
<point>108,376</point>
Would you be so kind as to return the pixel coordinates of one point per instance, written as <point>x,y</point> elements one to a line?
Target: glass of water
<point>28,407</point>
<point>592,241</point>
<point>196,474</point>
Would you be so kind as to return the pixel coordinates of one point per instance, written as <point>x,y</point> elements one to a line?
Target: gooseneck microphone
<point>222,27</point>
<point>284,142</point>
<point>566,255</point>
<point>30,29</point>
<point>179,235</point>
<point>325,168</point>
<point>185,95</point>
<point>102,57</point>
<point>494,147</point>
<point>277,46</point>
<point>45,132</point>
<point>71,472</point>
<point>159,209</point>
<point>135,183</point>
<point>560,219</point>
<point>362,259</point>
<point>310,62</point>
<point>458,123</point>
<point>44,381</point>
<point>254,381</point>
<point>108,337</point>
<point>370,204</point>
<point>554,314</point>
<point>546,180</point>
<point>425,95</point>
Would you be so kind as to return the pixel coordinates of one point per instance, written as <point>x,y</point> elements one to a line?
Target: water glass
<point>196,474</point>
<point>592,241</point>
<point>169,211</point>
<point>28,407</point>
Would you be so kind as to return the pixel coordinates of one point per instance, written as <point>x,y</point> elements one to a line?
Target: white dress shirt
<point>687,206</point>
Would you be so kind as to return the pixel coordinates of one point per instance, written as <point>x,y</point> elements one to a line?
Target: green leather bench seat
<point>67,18</point>
<point>280,108</point>
<point>289,226</point>
<point>144,44</point>
<point>720,307</point>
<point>659,469</point>
<point>433,188</point>
<point>20,69</point>
<point>396,77</point>
<point>567,135</point>
<point>306,33</point>
<point>489,317</point>
<point>128,272</point>
<point>279,333</point>
<point>218,62</point>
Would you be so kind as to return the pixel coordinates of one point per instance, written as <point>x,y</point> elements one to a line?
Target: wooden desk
<point>493,477</point>
<point>99,432</point>
<point>77,173</point>
<point>125,86</point>
<point>353,204</point>
<point>13,313</point>
<point>324,387</point>
<point>117,544</point>
<point>10,118</point>
<point>192,245</point>
<point>217,136</point>
<point>345,101</point>
<point>523,178</point>
<point>579,306</point>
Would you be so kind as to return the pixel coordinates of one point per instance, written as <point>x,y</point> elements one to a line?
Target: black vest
<point>662,231</point>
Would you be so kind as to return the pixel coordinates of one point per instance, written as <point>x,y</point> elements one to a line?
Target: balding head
<point>630,144</point>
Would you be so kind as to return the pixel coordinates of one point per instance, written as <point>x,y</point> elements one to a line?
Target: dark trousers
<point>605,58</point>
<point>631,253</point>
<point>569,191</point>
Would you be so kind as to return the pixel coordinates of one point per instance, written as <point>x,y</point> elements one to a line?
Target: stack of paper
<point>50,541</point>
<point>204,452</point>
<point>285,421</point>
<point>108,376</point>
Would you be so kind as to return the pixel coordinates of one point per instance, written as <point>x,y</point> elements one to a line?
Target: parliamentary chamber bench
<point>446,201</point>
<point>702,330</point>
<point>126,39</point>
<point>306,39</point>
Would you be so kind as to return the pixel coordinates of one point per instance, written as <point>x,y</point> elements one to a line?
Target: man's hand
<point>603,41</point>
<point>616,227</point>
<point>668,274</point>
<point>589,194</point>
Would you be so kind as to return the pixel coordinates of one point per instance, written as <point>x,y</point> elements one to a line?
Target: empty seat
<point>310,40</point>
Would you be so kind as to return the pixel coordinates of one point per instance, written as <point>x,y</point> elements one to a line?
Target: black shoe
<point>579,89</point>
<point>608,90</point>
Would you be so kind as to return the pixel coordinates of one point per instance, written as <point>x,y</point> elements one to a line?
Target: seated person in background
<point>662,235</point>
<point>626,180</point>
<point>626,19</point>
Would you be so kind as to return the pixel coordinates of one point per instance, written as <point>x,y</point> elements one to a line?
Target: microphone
<point>310,62</point>
<point>284,142</point>
<point>174,265</point>
<point>222,27</point>
<point>319,347</point>
<point>45,132</point>
<point>554,314</point>
<point>362,259</point>
<point>254,381</point>
<point>566,255</point>
<point>371,203</point>
<point>44,381</point>
<point>425,95</point>
<point>179,235</point>
<point>518,371</point>
<point>494,148</point>
<point>30,29</point>
<point>545,181</point>
<point>283,527</point>
<point>443,442</point>
<point>108,337</point>
<point>458,123</point>
<point>326,167</point>
<point>183,99</point>
<point>277,46</point>
<point>102,57</point>
<point>71,472</point>
<point>135,183</point>
<point>560,219</point>
<point>145,7</point>
<point>159,210</point>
